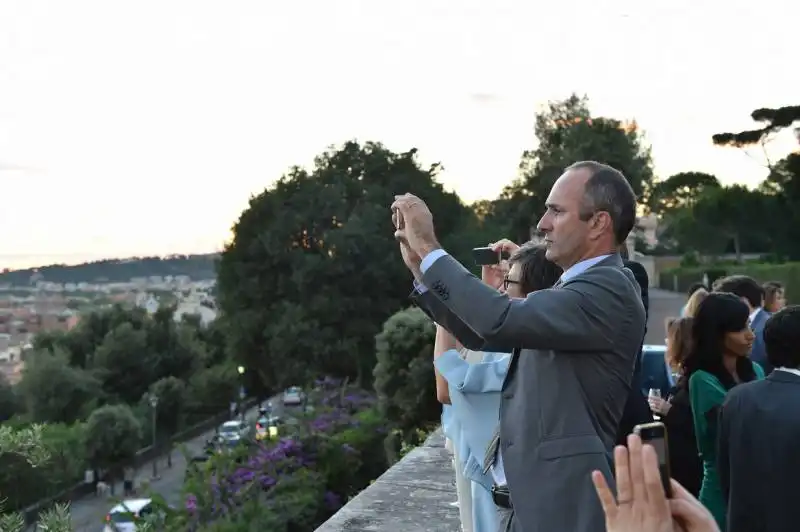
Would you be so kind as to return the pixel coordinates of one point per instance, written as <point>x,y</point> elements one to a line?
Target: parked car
<point>124,516</point>
<point>293,396</point>
<point>233,431</point>
<point>655,373</point>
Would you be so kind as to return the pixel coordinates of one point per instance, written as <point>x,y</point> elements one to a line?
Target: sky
<point>143,127</point>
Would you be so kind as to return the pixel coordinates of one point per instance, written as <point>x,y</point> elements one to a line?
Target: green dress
<point>706,394</point>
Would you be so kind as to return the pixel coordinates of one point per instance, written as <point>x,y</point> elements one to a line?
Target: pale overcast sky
<point>142,127</point>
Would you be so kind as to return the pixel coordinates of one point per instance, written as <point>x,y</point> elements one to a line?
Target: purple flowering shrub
<point>294,483</point>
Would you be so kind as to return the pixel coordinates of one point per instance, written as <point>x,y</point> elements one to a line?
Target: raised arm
<point>439,313</point>
<point>444,343</point>
<point>584,313</point>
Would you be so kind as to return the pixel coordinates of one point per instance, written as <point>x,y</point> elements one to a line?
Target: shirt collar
<point>790,370</point>
<point>580,267</point>
<point>753,315</point>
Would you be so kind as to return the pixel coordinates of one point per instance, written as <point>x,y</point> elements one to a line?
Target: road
<point>88,514</point>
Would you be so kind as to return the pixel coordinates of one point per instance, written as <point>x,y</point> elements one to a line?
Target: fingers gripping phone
<point>488,256</point>
<point>655,434</point>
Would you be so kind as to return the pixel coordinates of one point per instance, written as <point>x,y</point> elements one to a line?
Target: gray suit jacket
<point>574,352</point>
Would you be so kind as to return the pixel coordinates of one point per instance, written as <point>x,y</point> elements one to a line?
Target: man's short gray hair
<point>607,190</point>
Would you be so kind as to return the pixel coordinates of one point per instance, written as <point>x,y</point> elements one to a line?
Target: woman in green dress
<point>718,361</point>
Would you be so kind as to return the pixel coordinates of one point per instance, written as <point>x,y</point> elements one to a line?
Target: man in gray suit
<point>574,345</point>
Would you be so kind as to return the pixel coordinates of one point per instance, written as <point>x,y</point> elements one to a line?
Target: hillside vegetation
<point>198,267</point>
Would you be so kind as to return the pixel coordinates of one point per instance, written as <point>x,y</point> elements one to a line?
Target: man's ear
<point>599,223</point>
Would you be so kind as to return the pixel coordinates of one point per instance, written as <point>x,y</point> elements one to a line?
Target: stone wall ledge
<point>417,494</point>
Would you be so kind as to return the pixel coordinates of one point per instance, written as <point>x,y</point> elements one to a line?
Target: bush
<point>294,483</point>
<point>787,273</point>
<point>403,375</point>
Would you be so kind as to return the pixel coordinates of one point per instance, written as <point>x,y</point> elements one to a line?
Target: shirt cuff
<point>419,287</point>
<point>430,258</point>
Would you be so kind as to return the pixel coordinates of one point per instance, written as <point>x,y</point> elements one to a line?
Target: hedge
<point>787,273</point>
<point>293,484</point>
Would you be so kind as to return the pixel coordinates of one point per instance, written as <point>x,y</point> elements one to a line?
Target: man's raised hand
<point>414,224</point>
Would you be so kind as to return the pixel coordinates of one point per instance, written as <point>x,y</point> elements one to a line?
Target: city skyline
<point>143,130</point>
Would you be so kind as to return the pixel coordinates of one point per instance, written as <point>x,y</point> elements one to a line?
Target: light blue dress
<point>470,420</point>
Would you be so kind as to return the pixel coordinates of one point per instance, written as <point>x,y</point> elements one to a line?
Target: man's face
<point>511,285</point>
<point>566,235</point>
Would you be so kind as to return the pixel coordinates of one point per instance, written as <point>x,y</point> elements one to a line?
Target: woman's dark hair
<point>536,272</point>
<point>718,314</point>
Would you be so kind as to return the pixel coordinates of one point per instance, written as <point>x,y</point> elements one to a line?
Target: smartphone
<point>487,256</point>
<point>655,434</point>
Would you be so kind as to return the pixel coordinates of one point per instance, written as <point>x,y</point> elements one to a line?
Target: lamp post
<point>154,406</point>
<point>240,369</point>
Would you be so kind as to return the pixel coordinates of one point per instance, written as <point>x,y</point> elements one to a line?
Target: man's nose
<point>544,225</point>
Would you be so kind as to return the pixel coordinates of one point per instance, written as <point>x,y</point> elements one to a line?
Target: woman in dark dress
<point>676,412</point>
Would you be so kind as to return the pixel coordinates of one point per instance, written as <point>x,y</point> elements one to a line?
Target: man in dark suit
<point>637,411</point>
<point>749,291</point>
<point>759,431</point>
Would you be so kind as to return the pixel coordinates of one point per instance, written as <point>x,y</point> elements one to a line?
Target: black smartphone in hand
<point>655,434</point>
<point>487,256</point>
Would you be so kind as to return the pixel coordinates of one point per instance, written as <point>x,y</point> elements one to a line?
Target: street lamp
<point>154,405</point>
<point>240,369</point>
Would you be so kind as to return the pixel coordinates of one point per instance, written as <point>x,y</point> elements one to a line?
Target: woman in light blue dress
<point>469,383</point>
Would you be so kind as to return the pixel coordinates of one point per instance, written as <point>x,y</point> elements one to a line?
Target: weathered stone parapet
<point>416,495</point>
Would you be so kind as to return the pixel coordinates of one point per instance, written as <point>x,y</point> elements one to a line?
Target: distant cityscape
<point>32,303</point>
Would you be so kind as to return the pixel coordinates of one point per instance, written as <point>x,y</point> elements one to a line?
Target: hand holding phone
<point>486,256</point>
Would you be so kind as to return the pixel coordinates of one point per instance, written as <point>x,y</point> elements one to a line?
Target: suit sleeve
<point>581,316</point>
<point>723,457</point>
<point>438,312</point>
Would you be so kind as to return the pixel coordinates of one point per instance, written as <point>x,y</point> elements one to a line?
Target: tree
<point>113,436</point>
<point>125,363</point>
<point>9,401</point>
<point>403,381</point>
<point>210,391</point>
<point>680,190</point>
<point>782,186</point>
<point>313,268</point>
<point>171,394</point>
<point>773,120</point>
<point>175,347</point>
<point>721,219</point>
<point>27,445</point>
<point>567,133</point>
<point>55,392</point>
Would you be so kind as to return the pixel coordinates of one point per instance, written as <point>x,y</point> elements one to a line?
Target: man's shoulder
<point>745,390</point>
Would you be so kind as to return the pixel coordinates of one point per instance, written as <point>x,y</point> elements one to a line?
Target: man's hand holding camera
<point>413,224</point>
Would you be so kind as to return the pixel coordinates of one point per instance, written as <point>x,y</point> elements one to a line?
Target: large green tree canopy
<point>567,132</point>
<point>313,268</point>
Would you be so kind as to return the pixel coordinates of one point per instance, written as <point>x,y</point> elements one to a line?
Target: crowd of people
<point>538,367</point>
